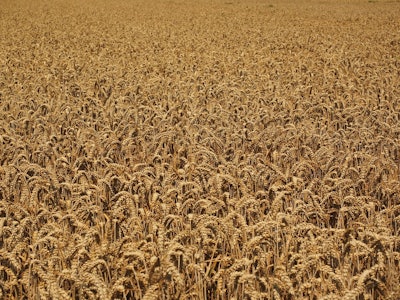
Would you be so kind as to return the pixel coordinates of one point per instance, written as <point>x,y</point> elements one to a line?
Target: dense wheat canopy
<point>240,149</point>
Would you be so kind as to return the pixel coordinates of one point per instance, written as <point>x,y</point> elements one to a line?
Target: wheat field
<point>225,149</point>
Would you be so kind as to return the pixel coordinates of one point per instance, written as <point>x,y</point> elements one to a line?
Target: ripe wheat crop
<point>199,149</point>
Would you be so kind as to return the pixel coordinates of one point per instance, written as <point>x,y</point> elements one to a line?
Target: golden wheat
<point>199,150</point>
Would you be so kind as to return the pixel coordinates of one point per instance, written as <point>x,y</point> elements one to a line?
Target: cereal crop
<point>210,149</point>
